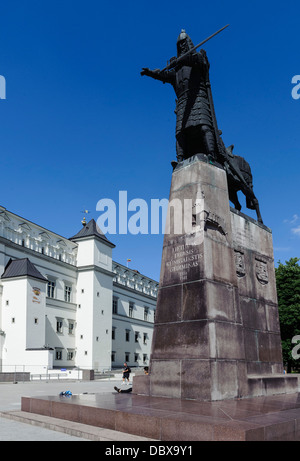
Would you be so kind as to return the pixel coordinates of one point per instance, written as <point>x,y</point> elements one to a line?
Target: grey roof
<point>21,267</point>
<point>91,229</point>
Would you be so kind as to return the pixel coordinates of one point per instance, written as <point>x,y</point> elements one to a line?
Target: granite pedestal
<point>216,333</point>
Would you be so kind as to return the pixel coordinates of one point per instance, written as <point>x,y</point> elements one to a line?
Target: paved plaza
<point>13,427</point>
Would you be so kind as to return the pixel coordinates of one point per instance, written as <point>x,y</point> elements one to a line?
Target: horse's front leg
<point>256,204</point>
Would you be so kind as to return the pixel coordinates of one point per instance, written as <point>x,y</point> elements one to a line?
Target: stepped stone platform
<point>265,418</point>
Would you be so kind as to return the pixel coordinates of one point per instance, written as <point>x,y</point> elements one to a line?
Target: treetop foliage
<point>288,293</point>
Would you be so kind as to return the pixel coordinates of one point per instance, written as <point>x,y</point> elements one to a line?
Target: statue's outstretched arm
<point>165,76</point>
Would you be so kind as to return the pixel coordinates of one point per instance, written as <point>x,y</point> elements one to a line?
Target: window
<point>113,356</point>
<point>145,358</point>
<point>71,327</point>
<point>13,320</point>
<point>50,289</point>
<point>146,313</point>
<point>145,336</point>
<point>136,357</point>
<point>136,337</point>
<point>7,302</point>
<point>70,355</point>
<point>68,291</point>
<point>115,305</point>
<point>59,326</point>
<point>58,354</point>
<point>127,335</point>
<point>131,307</point>
<point>127,357</point>
<point>113,333</point>
<point>36,321</point>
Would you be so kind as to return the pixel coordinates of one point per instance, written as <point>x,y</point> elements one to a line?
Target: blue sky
<point>80,124</point>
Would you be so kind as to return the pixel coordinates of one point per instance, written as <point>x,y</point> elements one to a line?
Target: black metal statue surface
<point>194,117</point>
<point>196,124</point>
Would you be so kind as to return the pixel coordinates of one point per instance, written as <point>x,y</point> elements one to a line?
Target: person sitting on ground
<point>117,389</point>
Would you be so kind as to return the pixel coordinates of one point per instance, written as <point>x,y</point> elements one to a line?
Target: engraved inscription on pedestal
<point>183,258</point>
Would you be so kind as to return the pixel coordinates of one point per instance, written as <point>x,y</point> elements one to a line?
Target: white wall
<point>122,322</point>
<point>86,264</point>
<point>84,319</point>
<point>102,323</point>
<point>23,321</point>
<point>36,310</point>
<point>94,301</point>
<point>14,300</point>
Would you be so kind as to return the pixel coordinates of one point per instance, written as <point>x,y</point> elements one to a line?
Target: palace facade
<point>65,303</point>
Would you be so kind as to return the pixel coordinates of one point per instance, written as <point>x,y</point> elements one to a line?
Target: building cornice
<point>92,237</point>
<point>29,251</point>
<point>132,290</point>
<point>6,212</point>
<point>20,277</point>
<point>61,304</point>
<point>132,272</point>
<point>126,319</point>
<point>93,267</point>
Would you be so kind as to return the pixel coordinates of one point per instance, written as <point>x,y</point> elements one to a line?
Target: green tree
<point>288,292</point>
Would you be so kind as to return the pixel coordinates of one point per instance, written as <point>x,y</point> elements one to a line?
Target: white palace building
<point>64,303</point>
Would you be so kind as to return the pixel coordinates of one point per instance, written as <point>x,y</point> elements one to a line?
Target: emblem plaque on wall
<point>240,263</point>
<point>261,271</point>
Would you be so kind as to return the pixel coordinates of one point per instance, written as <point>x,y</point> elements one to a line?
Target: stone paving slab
<point>10,401</point>
<point>82,431</point>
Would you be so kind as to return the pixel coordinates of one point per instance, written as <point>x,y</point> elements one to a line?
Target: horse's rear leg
<point>234,199</point>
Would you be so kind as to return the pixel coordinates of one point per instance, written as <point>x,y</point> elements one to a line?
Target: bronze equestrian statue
<point>244,184</point>
<point>196,125</point>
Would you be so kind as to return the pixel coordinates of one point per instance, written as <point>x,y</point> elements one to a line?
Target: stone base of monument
<point>216,368</point>
<point>216,333</point>
<point>257,385</point>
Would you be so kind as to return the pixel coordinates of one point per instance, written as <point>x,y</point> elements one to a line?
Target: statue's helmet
<point>184,43</point>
